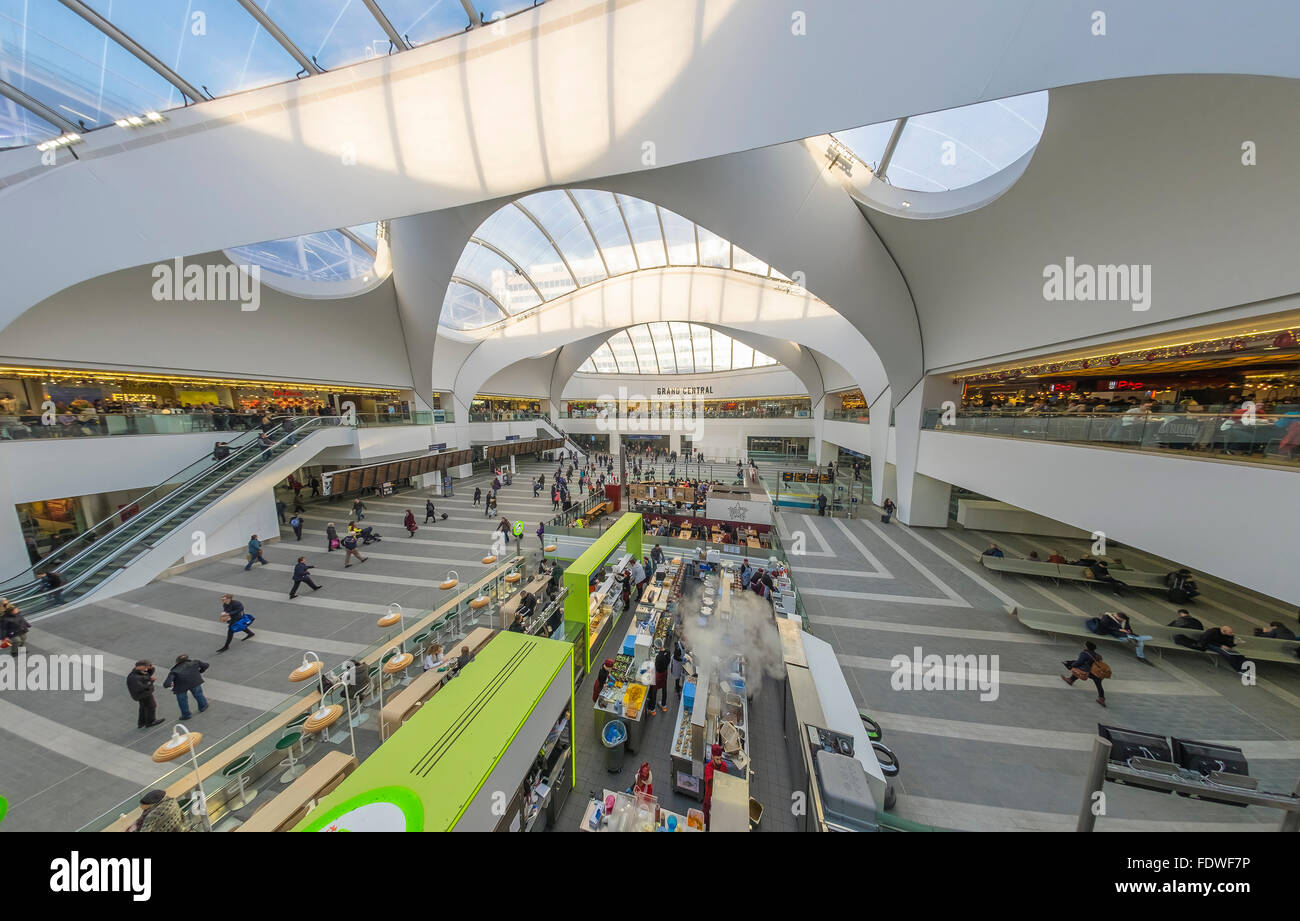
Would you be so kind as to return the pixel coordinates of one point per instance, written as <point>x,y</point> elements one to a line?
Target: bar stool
<point>190,819</point>
<point>239,769</point>
<point>288,739</point>
<point>418,643</point>
<point>306,743</point>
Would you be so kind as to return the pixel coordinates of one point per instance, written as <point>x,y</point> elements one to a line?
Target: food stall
<point>623,696</point>
<point>499,727</point>
<point>590,610</point>
<point>626,812</point>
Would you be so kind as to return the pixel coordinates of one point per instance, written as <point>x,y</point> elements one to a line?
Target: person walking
<point>350,545</point>
<point>185,678</point>
<point>296,523</point>
<point>254,553</point>
<point>279,509</point>
<point>478,495</point>
<point>555,499</point>
<point>430,514</point>
<point>541,533</point>
<point>821,505</point>
<point>888,509</point>
<point>409,523</point>
<point>331,537</point>
<point>236,619</point>
<point>139,684</point>
<point>1088,664</point>
<point>358,509</point>
<point>663,659</point>
<point>13,627</point>
<point>301,574</point>
<point>315,487</point>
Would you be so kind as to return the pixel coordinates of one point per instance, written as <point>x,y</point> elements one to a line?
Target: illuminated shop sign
<point>681,391</point>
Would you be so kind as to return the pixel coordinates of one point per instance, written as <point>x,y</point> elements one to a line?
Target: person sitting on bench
<point>1276,631</point>
<point>994,550</point>
<point>1056,557</point>
<point>1217,639</point>
<point>1101,573</point>
<point>1117,624</point>
<point>1185,621</point>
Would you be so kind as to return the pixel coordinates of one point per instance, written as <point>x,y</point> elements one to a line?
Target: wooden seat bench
<point>290,807</point>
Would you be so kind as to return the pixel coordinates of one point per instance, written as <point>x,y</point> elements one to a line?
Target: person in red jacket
<point>601,677</point>
<point>409,523</point>
<point>644,780</point>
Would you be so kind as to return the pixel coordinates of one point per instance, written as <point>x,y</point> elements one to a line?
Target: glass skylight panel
<point>742,261</point>
<point>702,345</point>
<point>714,251</point>
<point>643,223</point>
<point>742,356</point>
<point>959,147</point>
<point>333,32</point>
<point>602,213</point>
<point>624,353</point>
<point>213,44</point>
<point>776,273</point>
<point>561,219</point>
<point>604,360</point>
<point>761,360</point>
<point>868,142</point>
<point>679,234</point>
<point>19,127</point>
<point>721,351</point>
<point>490,9</point>
<point>515,234</point>
<point>421,21</point>
<point>369,233</point>
<point>682,347</point>
<point>55,56</point>
<point>498,277</point>
<point>324,256</point>
<point>465,308</point>
<point>645,349</point>
<point>662,337</point>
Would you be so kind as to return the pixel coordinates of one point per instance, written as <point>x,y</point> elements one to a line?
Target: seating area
<point>1131,578</point>
<point>1061,623</point>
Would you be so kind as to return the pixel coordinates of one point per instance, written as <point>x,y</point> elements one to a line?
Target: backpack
<point>350,542</point>
<point>1100,669</point>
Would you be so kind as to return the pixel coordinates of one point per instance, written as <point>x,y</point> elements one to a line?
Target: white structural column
<point>922,500</point>
<point>884,484</point>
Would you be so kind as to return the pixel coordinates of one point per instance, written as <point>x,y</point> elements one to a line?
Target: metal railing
<point>848,415</point>
<point>36,426</point>
<point>1273,439</point>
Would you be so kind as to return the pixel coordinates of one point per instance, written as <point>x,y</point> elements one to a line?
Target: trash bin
<point>614,736</point>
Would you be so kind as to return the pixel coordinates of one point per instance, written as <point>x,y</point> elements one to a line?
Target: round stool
<point>288,739</point>
<point>238,769</point>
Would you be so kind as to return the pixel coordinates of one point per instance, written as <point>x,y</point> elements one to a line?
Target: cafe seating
<point>239,769</point>
<point>288,739</point>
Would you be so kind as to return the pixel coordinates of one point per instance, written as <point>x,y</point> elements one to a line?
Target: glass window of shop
<point>1211,390</point>
<point>489,405</point>
<point>23,390</point>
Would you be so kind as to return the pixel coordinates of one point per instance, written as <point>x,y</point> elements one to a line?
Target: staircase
<point>555,431</point>
<point>107,548</point>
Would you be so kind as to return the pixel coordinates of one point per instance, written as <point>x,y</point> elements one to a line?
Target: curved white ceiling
<point>497,114</point>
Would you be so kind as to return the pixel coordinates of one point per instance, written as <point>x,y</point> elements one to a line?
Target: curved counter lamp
<point>183,742</point>
<point>397,655</point>
<point>394,616</point>
<point>309,669</point>
<point>489,559</point>
<point>451,581</point>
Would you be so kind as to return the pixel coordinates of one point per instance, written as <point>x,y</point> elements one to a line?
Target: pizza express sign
<point>682,391</point>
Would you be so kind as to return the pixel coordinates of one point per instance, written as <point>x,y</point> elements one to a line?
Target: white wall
<point>1236,521</point>
<point>715,437</point>
<point>114,322</point>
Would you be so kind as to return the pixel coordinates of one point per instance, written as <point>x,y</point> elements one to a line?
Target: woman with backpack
<point>1089,665</point>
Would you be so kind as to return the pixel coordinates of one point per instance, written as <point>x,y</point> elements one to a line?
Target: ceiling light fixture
<point>63,140</point>
<point>139,121</point>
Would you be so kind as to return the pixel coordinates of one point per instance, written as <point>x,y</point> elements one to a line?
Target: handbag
<point>1100,670</point>
<point>1079,673</point>
<point>334,543</point>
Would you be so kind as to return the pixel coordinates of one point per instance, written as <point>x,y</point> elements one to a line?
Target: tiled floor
<point>872,591</point>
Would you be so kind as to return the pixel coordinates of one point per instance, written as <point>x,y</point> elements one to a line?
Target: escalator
<point>104,550</point>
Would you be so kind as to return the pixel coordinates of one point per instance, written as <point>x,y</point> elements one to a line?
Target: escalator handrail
<point>48,561</point>
<point>132,542</point>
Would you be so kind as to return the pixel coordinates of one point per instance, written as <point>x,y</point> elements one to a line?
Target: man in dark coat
<point>139,684</point>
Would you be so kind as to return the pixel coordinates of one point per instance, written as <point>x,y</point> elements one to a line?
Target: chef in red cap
<point>601,677</point>
<point>644,780</point>
<point>714,764</point>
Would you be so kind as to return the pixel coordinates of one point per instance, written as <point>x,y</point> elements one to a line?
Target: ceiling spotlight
<point>63,140</point>
<point>139,121</point>
<point>907,204</point>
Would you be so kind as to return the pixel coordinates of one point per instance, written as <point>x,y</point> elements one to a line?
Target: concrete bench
<point>290,807</point>
<point>1063,623</point>
<point>1131,578</point>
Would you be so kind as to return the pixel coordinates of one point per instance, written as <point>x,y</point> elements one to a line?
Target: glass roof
<point>953,148</point>
<point>331,255</point>
<point>672,348</point>
<point>211,48</point>
<point>550,243</point>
